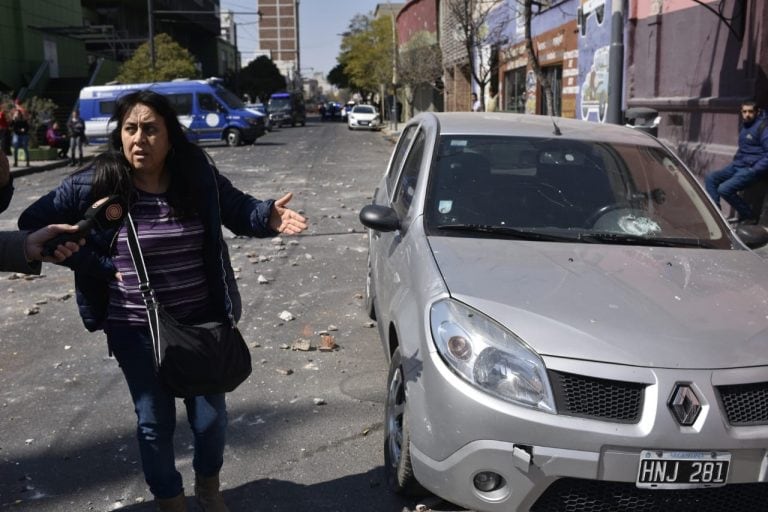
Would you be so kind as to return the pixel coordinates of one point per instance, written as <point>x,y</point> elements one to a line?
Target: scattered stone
<point>262,280</point>
<point>254,344</point>
<point>358,296</point>
<point>30,441</point>
<point>332,328</point>
<point>277,241</point>
<point>284,346</point>
<point>308,256</point>
<point>284,371</point>
<point>32,311</point>
<point>327,343</point>
<point>370,324</point>
<point>286,316</point>
<point>302,344</point>
<point>319,401</point>
<point>41,302</point>
<point>67,347</point>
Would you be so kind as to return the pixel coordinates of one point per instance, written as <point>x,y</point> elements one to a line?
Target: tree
<point>260,78</point>
<point>367,53</point>
<point>338,77</point>
<point>420,62</point>
<point>171,61</point>
<point>533,59</point>
<point>479,26</point>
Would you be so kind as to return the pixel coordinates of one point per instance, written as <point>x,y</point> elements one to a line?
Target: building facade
<point>279,37</point>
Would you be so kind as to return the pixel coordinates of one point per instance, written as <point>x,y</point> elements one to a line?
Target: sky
<point>320,24</point>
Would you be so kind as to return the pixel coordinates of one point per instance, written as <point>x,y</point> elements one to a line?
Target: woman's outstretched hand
<point>284,220</point>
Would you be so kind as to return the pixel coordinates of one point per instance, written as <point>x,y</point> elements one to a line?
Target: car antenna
<point>557,128</point>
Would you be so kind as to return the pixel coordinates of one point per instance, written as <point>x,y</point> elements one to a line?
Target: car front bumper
<point>459,431</point>
<point>364,125</point>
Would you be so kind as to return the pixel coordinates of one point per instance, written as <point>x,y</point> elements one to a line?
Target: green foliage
<point>338,77</point>
<point>420,61</point>
<point>367,53</point>
<point>260,78</point>
<point>171,61</point>
<point>39,112</point>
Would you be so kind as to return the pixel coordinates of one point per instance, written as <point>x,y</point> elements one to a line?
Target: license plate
<point>363,123</point>
<point>682,470</point>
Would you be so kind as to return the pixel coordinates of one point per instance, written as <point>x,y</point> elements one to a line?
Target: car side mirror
<point>379,218</point>
<point>753,236</point>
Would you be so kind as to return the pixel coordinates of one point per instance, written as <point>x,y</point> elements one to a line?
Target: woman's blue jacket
<point>221,203</point>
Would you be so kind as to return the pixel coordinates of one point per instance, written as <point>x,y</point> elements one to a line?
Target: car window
<point>208,103</point>
<point>568,187</point>
<point>399,155</point>
<point>406,186</point>
<point>182,103</point>
<point>363,110</point>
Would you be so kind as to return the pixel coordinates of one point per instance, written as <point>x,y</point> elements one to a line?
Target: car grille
<point>589,397</point>
<point>745,404</point>
<point>575,495</point>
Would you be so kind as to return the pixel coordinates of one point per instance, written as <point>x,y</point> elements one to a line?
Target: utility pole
<point>394,67</point>
<point>151,23</point>
<point>616,64</point>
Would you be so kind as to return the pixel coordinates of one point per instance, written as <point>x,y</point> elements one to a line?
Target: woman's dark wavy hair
<point>183,162</point>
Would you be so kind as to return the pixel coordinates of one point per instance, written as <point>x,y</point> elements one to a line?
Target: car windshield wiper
<point>508,232</point>
<point>627,239</point>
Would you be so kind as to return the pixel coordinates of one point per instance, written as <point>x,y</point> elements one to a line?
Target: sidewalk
<point>35,166</point>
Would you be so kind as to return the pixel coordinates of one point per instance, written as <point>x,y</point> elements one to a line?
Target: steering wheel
<point>595,216</point>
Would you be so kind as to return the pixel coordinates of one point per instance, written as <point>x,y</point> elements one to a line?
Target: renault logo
<point>685,405</point>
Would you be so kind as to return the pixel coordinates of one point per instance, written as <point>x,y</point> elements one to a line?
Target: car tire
<point>397,453</point>
<point>232,137</point>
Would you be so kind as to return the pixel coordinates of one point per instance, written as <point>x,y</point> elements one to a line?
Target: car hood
<point>632,305</point>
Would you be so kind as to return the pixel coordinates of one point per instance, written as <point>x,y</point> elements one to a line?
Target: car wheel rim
<point>395,410</point>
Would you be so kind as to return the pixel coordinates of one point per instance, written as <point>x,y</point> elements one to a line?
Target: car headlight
<point>489,356</point>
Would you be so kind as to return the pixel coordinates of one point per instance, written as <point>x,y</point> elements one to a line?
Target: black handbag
<point>191,360</point>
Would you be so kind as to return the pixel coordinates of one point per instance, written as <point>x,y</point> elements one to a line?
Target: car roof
<point>505,123</point>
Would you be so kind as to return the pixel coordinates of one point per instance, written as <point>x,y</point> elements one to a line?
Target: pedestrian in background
<point>56,139</point>
<point>476,105</point>
<point>179,203</point>
<point>4,132</point>
<point>749,165</point>
<point>76,131</point>
<point>20,129</point>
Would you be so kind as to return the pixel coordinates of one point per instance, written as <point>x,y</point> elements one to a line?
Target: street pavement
<point>306,429</point>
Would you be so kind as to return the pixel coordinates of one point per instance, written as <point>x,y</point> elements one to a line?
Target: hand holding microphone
<point>105,213</point>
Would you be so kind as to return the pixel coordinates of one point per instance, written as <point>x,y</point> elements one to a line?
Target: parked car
<point>570,322</point>
<point>207,110</point>
<point>363,117</point>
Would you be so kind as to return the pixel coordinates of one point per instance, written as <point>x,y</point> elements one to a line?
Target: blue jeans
<point>156,412</point>
<point>20,142</point>
<point>727,182</point>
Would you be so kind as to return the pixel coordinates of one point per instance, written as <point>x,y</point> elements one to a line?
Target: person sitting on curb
<point>56,139</point>
<point>749,165</point>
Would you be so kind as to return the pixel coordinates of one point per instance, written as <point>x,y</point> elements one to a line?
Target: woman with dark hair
<point>178,202</point>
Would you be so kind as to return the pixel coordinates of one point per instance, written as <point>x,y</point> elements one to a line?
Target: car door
<point>387,247</point>
<point>211,117</point>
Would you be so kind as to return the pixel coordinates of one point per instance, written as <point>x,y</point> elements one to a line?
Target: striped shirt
<point>173,256</point>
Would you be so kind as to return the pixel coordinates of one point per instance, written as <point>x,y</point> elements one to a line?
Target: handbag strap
<point>147,293</point>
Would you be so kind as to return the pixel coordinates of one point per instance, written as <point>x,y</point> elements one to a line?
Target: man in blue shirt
<point>749,165</point>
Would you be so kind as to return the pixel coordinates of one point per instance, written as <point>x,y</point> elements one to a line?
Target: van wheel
<point>232,137</point>
<point>397,438</point>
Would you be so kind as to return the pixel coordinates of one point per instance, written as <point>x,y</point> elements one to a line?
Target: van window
<point>182,103</point>
<point>230,98</point>
<point>106,108</point>
<point>209,104</point>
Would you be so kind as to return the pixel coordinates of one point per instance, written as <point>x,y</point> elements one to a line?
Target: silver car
<point>570,322</point>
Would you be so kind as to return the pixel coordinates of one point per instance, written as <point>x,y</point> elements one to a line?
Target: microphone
<point>105,213</point>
